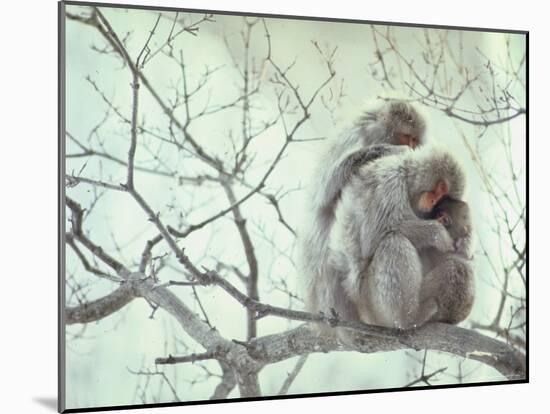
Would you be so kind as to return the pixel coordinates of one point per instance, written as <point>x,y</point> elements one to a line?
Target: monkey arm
<point>349,164</point>
<point>338,176</point>
<point>427,233</point>
<point>463,247</point>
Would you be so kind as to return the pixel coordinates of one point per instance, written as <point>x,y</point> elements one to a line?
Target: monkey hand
<point>427,234</point>
<point>462,247</point>
<point>443,241</point>
<point>350,163</point>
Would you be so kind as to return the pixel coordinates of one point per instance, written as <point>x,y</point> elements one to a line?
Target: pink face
<point>429,199</point>
<point>407,139</point>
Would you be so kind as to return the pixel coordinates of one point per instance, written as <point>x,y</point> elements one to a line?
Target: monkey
<point>447,292</point>
<point>380,132</point>
<point>379,232</point>
<point>455,216</point>
<point>374,133</point>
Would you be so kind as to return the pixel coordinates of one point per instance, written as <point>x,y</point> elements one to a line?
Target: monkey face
<point>429,199</point>
<point>402,124</point>
<point>454,215</point>
<point>409,140</point>
<point>426,202</point>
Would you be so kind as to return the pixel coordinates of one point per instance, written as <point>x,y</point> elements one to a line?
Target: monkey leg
<point>393,282</point>
<point>427,311</point>
<point>450,284</point>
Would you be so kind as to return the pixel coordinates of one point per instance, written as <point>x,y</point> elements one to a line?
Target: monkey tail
<point>326,186</point>
<point>318,237</point>
<point>315,256</point>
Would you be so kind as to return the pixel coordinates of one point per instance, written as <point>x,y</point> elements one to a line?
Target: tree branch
<point>78,234</point>
<point>434,336</point>
<point>292,375</point>
<point>227,383</point>
<point>248,246</point>
<point>101,308</point>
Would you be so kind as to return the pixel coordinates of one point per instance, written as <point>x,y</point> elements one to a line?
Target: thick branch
<point>246,368</point>
<point>101,308</point>
<point>441,337</point>
<point>434,336</point>
<point>303,341</point>
<point>503,333</point>
<point>227,383</point>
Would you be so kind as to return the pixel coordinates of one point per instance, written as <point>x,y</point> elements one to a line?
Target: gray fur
<point>374,134</point>
<point>447,293</point>
<point>385,267</point>
<point>377,267</point>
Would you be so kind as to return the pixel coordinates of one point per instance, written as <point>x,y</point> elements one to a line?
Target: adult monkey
<point>376,133</point>
<point>447,292</point>
<point>380,231</point>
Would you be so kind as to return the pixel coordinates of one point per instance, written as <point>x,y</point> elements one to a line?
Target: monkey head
<point>395,123</point>
<point>403,123</point>
<point>429,198</point>
<point>454,215</point>
<point>431,175</point>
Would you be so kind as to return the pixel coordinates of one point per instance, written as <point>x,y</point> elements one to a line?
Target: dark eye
<point>443,218</point>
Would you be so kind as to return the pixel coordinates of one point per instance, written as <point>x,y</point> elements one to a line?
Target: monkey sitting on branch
<point>390,129</point>
<point>373,272</point>
<point>448,289</point>
<point>448,285</point>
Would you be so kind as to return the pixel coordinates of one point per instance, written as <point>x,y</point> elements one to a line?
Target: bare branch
<point>188,358</point>
<point>292,375</point>
<point>252,277</point>
<point>69,238</point>
<point>76,220</point>
<point>227,383</point>
<point>73,181</point>
<point>101,308</point>
<point>434,336</point>
<point>425,378</point>
<point>159,374</point>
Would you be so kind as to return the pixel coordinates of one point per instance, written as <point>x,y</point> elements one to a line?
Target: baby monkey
<point>447,293</point>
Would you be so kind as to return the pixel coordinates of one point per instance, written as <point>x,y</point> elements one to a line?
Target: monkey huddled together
<point>388,241</point>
